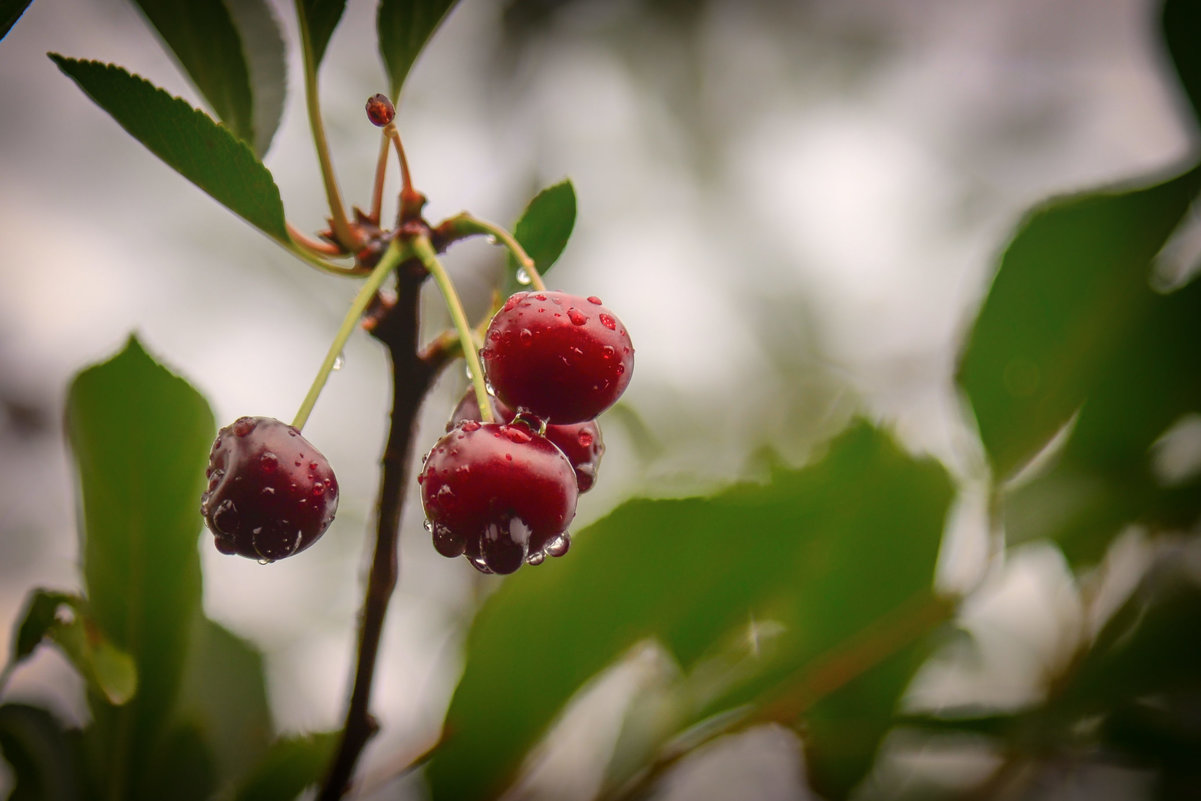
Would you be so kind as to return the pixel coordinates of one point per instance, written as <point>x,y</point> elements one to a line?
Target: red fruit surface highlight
<point>581,443</point>
<point>561,357</point>
<point>270,494</point>
<point>497,493</point>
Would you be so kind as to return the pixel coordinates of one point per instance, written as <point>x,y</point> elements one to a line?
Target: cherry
<point>270,493</point>
<point>498,493</point>
<point>563,358</point>
<point>581,443</point>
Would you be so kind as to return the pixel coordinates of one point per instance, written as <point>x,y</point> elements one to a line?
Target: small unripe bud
<point>380,110</point>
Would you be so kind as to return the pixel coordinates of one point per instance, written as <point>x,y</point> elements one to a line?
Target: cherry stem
<point>381,171</point>
<point>465,224</point>
<point>394,255</point>
<point>423,249</point>
<point>343,232</point>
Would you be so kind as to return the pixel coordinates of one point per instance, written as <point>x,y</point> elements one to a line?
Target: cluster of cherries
<point>503,493</point>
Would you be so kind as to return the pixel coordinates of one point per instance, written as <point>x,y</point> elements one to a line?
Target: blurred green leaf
<point>839,554</point>
<point>289,766</point>
<point>1070,286</point>
<point>224,694</point>
<point>188,140</point>
<point>10,12</point>
<point>107,669</point>
<point>41,613</point>
<point>404,27</point>
<point>203,36</point>
<point>182,768</point>
<point>45,757</point>
<point>543,230</point>
<point>267,63</point>
<point>1103,478</point>
<point>323,17</point>
<point>140,436</point>
<point>1181,23</point>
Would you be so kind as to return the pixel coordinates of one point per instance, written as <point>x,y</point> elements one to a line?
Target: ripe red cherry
<point>581,443</point>
<point>380,110</point>
<point>498,493</point>
<point>564,358</point>
<point>270,493</point>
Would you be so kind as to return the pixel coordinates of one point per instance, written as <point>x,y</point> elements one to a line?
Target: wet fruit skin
<point>498,493</point>
<point>562,357</point>
<point>581,443</point>
<point>270,493</point>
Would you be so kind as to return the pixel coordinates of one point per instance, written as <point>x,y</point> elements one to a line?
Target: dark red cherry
<point>270,493</point>
<point>498,493</point>
<point>564,358</point>
<point>581,443</point>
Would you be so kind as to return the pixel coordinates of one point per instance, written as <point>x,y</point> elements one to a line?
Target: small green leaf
<point>10,12</point>
<point>404,27</point>
<point>107,669</point>
<point>46,758</point>
<point>140,437</point>
<point>543,229</point>
<point>290,765</point>
<point>1181,23</point>
<point>323,17</point>
<point>1070,285</point>
<point>183,768</point>
<point>188,140</point>
<point>41,614</point>
<point>839,555</point>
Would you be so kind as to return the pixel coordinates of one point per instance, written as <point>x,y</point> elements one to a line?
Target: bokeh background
<point>795,206</point>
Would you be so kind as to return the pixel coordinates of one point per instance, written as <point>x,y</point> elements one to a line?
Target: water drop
<point>264,561</point>
<point>536,558</point>
<point>576,316</point>
<point>318,489</point>
<point>268,491</point>
<point>559,545</point>
<point>269,462</point>
<point>226,517</point>
<point>512,302</point>
<point>523,276</point>
<point>526,337</point>
<point>607,352</point>
<point>585,439</point>
<point>540,296</point>
<point>427,525</point>
<point>470,425</point>
<point>517,434</point>
<point>339,361</point>
<point>608,322</point>
<point>243,426</point>
<point>621,368</point>
<point>594,299</point>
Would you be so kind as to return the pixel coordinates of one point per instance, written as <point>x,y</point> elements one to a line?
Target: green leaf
<point>266,61</point>
<point>404,27</point>
<point>188,140</point>
<point>290,765</point>
<point>1181,23</point>
<point>1103,478</point>
<point>45,757</point>
<point>225,695</point>
<point>840,555</point>
<point>234,54</point>
<point>107,669</point>
<point>183,768</point>
<point>10,12</point>
<point>1070,285</point>
<point>323,17</point>
<point>140,437</point>
<point>41,614</point>
<point>543,229</point>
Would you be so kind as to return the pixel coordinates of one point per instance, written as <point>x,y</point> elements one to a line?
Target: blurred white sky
<point>862,164</point>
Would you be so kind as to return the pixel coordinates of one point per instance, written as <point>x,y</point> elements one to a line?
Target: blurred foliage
<point>804,600</point>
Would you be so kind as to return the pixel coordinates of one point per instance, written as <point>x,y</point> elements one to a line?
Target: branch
<point>411,379</point>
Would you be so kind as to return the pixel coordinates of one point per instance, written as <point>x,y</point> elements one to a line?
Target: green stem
<point>423,249</point>
<point>394,255</point>
<point>466,224</point>
<point>341,225</point>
